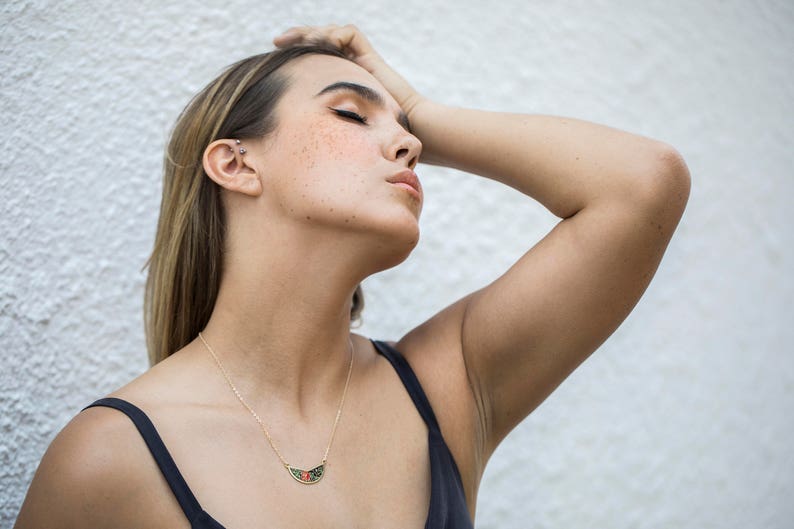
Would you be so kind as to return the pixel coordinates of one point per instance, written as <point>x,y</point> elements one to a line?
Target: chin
<point>394,258</point>
<point>395,244</point>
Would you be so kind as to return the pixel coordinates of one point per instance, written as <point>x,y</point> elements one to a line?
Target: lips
<point>408,180</point>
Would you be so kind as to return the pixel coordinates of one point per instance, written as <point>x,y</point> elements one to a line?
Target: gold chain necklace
<point>307,477</point>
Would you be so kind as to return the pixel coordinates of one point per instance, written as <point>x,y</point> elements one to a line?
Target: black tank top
<point>447,502</point>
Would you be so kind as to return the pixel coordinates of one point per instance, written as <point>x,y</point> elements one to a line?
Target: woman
<point>288,181</point>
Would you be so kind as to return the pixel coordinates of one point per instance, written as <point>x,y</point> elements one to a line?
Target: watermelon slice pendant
<point>307,477</point>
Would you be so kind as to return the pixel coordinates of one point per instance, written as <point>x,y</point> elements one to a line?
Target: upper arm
<point>78,479</point>
<point>518,338</point>
<point>526,332</point>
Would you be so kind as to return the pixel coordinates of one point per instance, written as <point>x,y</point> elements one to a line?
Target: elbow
<point>675,172</point>
<point>667,183</point>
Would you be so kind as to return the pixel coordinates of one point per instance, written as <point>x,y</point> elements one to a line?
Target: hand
<point>355,45</point>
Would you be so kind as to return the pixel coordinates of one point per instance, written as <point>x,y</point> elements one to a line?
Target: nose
<point>406,148</point>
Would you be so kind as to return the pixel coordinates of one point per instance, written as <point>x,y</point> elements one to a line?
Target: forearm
<point>565,164</point>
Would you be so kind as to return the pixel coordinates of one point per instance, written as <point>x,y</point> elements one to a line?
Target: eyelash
<point>350,115</point>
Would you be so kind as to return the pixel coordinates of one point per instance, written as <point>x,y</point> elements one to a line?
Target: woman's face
<point>339,141</point>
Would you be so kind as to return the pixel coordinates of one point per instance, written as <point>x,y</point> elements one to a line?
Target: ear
<point>226,165</point>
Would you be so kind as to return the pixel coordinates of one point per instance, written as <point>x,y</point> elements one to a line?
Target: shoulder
<point>85,474</point>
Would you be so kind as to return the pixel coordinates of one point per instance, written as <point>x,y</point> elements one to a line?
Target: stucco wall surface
<point>681,419</point>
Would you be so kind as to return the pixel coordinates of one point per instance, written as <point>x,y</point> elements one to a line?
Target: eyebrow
<point>368,94</point>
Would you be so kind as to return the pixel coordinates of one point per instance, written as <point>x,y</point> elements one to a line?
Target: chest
<point>377,474</point>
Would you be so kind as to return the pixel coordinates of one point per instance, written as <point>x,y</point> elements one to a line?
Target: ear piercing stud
<point>242,149</point>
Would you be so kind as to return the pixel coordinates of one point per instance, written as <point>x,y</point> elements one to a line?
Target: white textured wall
<point>682,419</point>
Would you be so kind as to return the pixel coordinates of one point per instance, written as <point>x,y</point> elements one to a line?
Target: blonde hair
<point>185,266</point>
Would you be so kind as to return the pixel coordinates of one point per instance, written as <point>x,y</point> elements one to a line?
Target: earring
<point>242,149</point>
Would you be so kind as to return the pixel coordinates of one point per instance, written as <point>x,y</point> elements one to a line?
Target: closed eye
<point>350,115</point>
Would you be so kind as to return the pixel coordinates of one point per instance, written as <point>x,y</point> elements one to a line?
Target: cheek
<point>324,167</point>
<point>325,146</point>
<point>328,155</point>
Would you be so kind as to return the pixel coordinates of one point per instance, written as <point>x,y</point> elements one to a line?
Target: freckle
<point>308,217</point>
<point>347,220</point>
<point>331,209</point>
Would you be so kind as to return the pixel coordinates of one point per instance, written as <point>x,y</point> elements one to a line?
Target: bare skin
<point>485,362</point>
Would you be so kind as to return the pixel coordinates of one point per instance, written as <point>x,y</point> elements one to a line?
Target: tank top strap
<point>411,384</point>
<point>162,457</point>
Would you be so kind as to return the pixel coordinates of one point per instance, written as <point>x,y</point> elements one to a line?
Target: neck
<point>280,325</point>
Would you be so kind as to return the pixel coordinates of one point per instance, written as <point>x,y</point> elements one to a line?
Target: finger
<point>306,33</point>
<point>347,38</point>
<point>340,36</point>
<point>291,36</point>
<point>298,34</point>
<point>350,39</point>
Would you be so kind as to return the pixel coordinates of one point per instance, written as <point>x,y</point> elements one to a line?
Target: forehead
<point>310,74</point>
